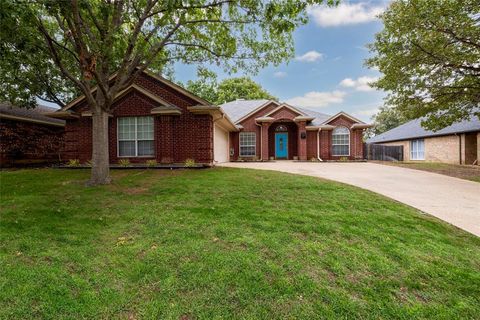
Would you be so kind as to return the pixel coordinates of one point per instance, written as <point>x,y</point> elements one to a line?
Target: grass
<point>466,172</point>
<point>223,244</point>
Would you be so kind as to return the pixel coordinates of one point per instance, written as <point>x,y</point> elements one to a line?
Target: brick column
<point>302,143</point>
<point>264,155</point>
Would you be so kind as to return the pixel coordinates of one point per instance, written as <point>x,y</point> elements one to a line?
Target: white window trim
<point>416,151</point>
<point>349,143</point>
<point>254,144</point>
<point>135,140</point>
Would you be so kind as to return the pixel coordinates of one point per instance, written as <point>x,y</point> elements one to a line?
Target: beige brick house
<point>456,144</point>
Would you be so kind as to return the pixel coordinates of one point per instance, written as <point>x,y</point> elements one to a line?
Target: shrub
<point>151,163</point>
<point>189,163</point>
<point>89,163</point>
<point>124,162</point>
<point>73,163</point>
<point>344,159</point>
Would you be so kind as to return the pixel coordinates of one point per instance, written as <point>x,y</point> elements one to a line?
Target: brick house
<point>28,136</point>
<point>455,144</point>
<point>153,119</point>
<point>156,119</point>
<point>272,130</point>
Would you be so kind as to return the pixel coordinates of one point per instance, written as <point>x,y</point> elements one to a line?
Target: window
<point>341,141</point>
<point>281,128</point>
<point>135,137</point>
<point>247,144</point>
<point>417,150</point>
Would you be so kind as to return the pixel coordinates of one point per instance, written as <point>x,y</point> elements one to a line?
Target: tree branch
<point>61,66</point>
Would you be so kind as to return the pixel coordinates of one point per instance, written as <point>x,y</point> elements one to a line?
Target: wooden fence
<point>384,153</point>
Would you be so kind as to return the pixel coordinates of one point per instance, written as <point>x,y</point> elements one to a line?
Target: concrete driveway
<point>453,200</point>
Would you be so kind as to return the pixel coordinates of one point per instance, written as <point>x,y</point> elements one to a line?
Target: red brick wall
<point>249,125</point>
<point>312,144</point>
<point>302,142</point>
<point>284,113</point>
<point>309,145</point>
<point>292,138</point>
<point>325,144</point>
<point>356,140</point>
<point>177,138</point>
<point>27,143</point>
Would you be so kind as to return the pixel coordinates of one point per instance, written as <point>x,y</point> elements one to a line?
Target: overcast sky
<point>327,74</point>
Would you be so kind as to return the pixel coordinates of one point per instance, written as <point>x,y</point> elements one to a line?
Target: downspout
<point>318,145</point>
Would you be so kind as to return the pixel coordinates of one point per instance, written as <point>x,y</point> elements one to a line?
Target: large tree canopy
<point>76,45</point>
<point>385,119</point>
<point>429,54</point>
<point>208,87</point>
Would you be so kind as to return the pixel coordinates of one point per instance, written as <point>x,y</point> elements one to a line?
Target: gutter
<point>318,145</point>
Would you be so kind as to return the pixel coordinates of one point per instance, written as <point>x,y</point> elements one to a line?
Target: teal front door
<point>281,145</point>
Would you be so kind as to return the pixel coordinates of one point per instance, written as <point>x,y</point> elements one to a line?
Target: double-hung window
<point>341,141</point>
<point>247,144</point>
<point>417,149</point>
<point>135,137</point>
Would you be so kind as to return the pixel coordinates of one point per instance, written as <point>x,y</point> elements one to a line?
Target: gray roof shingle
<point>320,118</point>
<point>37,113</point>
<point>413,129</point>
<point>238,108</point>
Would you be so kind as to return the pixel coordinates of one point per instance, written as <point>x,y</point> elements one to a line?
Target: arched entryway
<point>282,140</point>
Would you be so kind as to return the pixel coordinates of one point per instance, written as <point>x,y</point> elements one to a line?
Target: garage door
<point>220,145</point>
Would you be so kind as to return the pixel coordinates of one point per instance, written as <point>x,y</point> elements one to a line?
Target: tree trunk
<point>100,158</point>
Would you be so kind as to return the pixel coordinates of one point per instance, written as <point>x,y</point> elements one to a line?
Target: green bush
<point>189,163</point>
<point>151,163</point>
<point>73,163</point>
<point>124,162</point>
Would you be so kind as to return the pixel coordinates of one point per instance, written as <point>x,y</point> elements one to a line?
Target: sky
<point>328,73</point>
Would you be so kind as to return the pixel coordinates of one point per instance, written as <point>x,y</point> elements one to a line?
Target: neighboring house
<point>156,119</point>
<point>28,136</point>
<point>273,130</point>
<point>456,144</point>
<point>152,119</point>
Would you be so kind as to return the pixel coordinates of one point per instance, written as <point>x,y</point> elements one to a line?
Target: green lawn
<point>223,244</point>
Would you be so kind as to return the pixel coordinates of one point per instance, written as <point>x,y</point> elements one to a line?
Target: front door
<point>281,145</point>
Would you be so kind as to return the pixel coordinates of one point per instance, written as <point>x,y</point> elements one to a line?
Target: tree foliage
<point>429,53</point>
<point>208,87</point>
<point>241,88</point>
<point>385,119</point>
<point>26,69</point>
<point>72,46</point>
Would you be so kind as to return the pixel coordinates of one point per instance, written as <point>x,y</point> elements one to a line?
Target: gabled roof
<point>413,129</point>
<point>239,109</point>
<point>164,107</point>
<point>320,118</point>
<point>286,105</point>
<point>150,74</point>
<point>35,115</point>
<point>346,115</point>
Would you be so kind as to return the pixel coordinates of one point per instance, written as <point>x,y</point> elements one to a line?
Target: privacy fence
<point>384,153</point>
